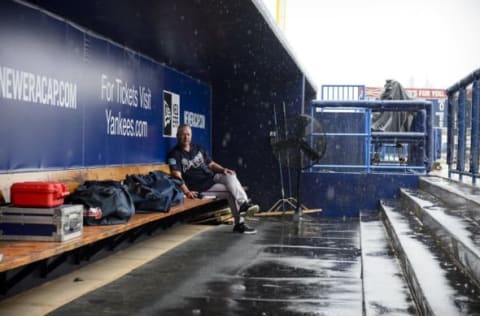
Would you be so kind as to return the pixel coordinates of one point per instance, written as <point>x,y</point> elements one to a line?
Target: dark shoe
<point>242,228</point>
<point>249,208</point>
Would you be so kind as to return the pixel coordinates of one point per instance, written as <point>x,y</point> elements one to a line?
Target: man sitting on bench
<point>203,176</point>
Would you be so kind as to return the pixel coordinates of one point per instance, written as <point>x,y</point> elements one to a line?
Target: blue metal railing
<point>463,123</point>
<point>355,139</point>
<point>342,92</point>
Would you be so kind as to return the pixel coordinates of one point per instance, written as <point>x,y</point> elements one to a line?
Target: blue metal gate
<point>352,146</point>
<point>463,126</point>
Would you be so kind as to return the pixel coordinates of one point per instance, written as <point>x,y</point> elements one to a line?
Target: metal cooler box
<point>44,224</point>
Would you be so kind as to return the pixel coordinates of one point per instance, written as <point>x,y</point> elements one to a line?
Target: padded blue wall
<point>345,194</point>
<point>70,99</point>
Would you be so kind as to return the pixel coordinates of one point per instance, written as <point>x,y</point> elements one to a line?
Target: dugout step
<point>438,286</point>
<point>455,226</point>
<point>379,264</point>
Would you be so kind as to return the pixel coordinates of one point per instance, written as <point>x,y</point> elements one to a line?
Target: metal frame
<point>426,135</point>
<point>457,121</point>
<point>343,92</point>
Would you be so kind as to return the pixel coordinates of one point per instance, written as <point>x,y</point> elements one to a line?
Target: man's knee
<point>232,178</point>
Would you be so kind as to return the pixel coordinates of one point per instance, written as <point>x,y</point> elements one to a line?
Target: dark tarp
<point>392,121</point>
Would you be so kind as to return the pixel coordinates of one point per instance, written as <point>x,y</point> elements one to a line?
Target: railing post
<point>462,129</point>
<point>450,129</point>
<point>368,139</point>
<point>475,129</point>
<point>429,131</point>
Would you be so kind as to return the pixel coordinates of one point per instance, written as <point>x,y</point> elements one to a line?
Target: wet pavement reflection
<point>319,266</point>
<point>311,268</point>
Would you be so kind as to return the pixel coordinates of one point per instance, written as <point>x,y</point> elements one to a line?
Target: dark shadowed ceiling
<point>207,39</point>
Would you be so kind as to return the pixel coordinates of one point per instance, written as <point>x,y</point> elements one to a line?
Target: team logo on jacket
<point>171,113</point>
<point>196,162</point>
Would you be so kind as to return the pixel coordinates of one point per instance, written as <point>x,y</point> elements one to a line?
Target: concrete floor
<point>51,295</point>
<point>286,269</point>
<point>311,268</point>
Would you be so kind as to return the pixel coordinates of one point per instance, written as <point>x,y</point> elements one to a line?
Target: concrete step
<point>385,290</point>
<point>453,193</point>
<point>456,228</point>
<point>437,285</point>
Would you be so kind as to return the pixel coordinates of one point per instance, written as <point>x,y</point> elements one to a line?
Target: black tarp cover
<point>392,121</point>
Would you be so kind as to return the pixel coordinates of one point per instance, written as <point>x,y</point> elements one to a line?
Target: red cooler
<point>38,194</point>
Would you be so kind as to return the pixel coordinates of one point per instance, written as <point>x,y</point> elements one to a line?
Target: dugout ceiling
<point>207,39</point>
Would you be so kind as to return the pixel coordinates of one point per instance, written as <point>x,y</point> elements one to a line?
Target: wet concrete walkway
<point>285,269</point>
<point>314,268</point>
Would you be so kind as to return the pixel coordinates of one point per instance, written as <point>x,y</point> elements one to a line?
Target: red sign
<point>426,93</point>
<point>415,93</point>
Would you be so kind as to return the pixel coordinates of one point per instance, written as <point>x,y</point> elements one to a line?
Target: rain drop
<point>330,193</point>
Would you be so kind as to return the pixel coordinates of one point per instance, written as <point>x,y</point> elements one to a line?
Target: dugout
<point>83,84</point>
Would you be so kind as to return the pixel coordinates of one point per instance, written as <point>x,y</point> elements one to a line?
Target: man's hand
<point>228,171</point>
<point>191,194</point>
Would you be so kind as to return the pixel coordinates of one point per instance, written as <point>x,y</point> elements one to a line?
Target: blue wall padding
<point>61,86</point>
<point>345,194</point>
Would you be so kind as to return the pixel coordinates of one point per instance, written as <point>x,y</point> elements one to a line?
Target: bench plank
<point>21,253</point>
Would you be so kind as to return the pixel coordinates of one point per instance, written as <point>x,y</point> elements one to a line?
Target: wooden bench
<point>22,257</point>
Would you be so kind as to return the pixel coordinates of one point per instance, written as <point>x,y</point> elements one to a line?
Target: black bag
<point>156,191</point>
<point>111,197</point>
